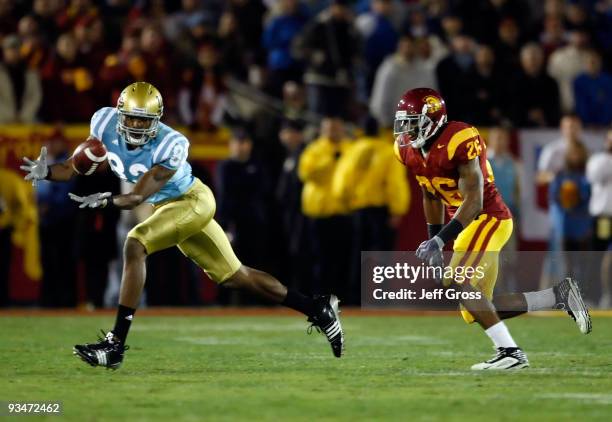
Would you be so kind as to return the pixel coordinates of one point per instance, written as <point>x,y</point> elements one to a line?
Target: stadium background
<point>246,69</point>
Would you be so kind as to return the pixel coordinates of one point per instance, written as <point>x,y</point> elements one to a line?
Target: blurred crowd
<point>518,62</point>
<point>311,179</point>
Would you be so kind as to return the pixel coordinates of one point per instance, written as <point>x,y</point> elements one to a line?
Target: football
<point>88,156</point>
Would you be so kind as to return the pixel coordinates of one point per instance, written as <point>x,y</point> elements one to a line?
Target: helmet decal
<point>433,103</point>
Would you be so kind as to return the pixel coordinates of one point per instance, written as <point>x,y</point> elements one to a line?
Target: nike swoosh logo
<point>441,146</point>
<point>115,141</point>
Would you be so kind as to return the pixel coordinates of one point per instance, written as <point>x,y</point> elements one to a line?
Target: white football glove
<point>37,169</point>
<point>97,200</point>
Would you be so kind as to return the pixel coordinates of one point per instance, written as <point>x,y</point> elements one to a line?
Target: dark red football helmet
<point>419,115</point>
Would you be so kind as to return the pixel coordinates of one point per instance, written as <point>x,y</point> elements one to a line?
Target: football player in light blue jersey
<point>167,148</point>
<point>153,156</point>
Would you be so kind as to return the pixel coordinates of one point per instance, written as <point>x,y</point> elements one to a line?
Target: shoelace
<point>498,353</point>
<point>517,354</point>
<point>309,329</point>
<point>108,338</point>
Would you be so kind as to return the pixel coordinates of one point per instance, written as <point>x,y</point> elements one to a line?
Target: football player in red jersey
<point>448,160</point>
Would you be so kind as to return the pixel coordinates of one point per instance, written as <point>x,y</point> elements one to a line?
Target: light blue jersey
<point>169,149</point>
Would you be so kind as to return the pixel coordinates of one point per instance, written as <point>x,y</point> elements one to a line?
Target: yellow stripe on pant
<point>187,222</point>
<point>478,245</point>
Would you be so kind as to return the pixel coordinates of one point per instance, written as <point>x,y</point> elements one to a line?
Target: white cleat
<point>568,297</point>
<point>506,358</point>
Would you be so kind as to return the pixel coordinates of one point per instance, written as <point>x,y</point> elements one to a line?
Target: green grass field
<point>267,368</point>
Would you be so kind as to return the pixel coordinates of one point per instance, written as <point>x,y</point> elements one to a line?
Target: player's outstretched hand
<point>37,169</point>
<point>430,251</point>
<point>97,200</point>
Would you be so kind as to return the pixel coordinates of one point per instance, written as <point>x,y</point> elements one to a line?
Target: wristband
<point>433,229</point>
<point>108,203</point>
<point>450,231</point>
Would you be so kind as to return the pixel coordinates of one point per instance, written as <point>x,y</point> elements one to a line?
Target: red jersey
<point>456,144</point>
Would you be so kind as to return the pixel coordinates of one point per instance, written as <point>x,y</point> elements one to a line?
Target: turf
<point>267,368</point>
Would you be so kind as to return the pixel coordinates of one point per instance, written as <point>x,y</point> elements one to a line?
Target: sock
<point>123,322</point>
<point>500,335</point>
<point>299,302</point>
<point>544,299</point>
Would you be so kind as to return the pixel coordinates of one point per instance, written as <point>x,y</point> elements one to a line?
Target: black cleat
<point>569,298</point>
<point>326,320</point>
<point>107,352</point>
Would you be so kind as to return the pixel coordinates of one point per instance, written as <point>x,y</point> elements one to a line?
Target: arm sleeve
<point>465,145</point>
<point>98,119</point>
<point>173,154</point>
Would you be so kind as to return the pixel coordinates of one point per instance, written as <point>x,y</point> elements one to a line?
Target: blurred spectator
<point>249,16</point>
<point>483,18</point>
<point>593,92</point>
<point>533,96</point>
<point>553,35</point>
<point>20,87</point>
<point>66,78</point>
<point>243,194</point>
<point>374,187</point>
<point>488,89</point>
<point>186,26</point>
<point>599,174</point>
<point>8,20</point>
<point>566,63</point>
<point>417,24</point>
<point>603,29</point>
<point>398,73</point>
<point>75,11</point>
<point>45,12</point>
<point>89,36</point>
<point>569,207</point>
<point>294,101</point>
<point>13,204</point>
<point>551,162</point>
<point>240,31</point>
<point>159,66</point>
<point>234,55</point>
<point>506,170</point>
<point>202,98</point>
<point>278,36</point>
<point>95,235</point>
<point>378,35</point>
<point>330,226</point>
<point>57,233</point>
<point>34,49</point>
<point>329,47</point>
<point>508,47</point>
<point>455,76</point>
<point>552,157</point>
<point>289,199</point>
<point>451,26</point>
<point>121,68</point>
<point>576,17</point>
